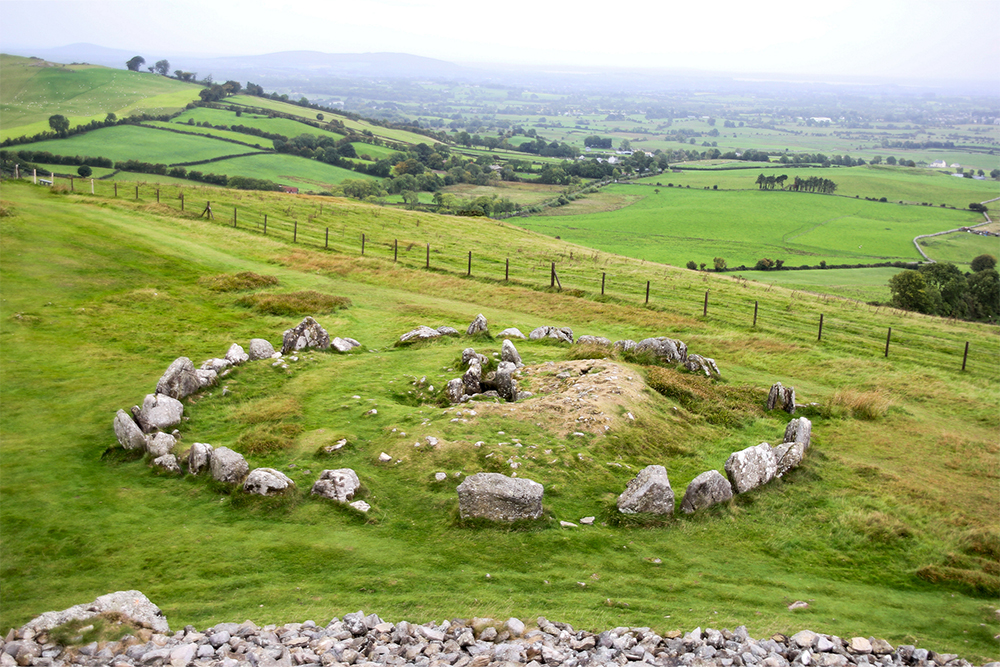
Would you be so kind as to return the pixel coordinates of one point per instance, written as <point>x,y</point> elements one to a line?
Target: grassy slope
<point>676,225</point>
<point>874,501</point>
<point>34,90</point>
<point>286,126</point>
<point>288,170</point>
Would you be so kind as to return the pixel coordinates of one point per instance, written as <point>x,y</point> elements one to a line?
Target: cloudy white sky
<point>908,39</point>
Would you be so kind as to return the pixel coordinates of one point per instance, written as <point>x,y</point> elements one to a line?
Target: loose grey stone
<point>206,377</point>
<point>361,505</point>
<point>668,349</point>
<point>505,381</point>
<point>751,467</point>
<point>167,462</point>
<point>562,334</point>
<point>788,455</point>
<point>781,397</point>
<point>649,491</point>
<point>198,457</point>
<point>267,482</point>
<point>128,433</point>
<point>799,430</point>
<point>308,333</point>
<point>260,349</point>
<point>228,466</point>
<point>160,444</point>
<point>132,605</point>
<point>626,345</point>
<point>707,489</point>
<point>594,340</point>
<point>472,377</point>
<point>454,390</point>
<point>500,498</point>
<point>235,355</point>
<point>511,332</point>
<point>447,331</point>
<point>706,365</point>
<point>509,353</point>
<point>159,412</point>
<point>340,484</point>
<point>477,326</point>
<point>179,380</point>
<point>420,333</point>
<point>344,344</point>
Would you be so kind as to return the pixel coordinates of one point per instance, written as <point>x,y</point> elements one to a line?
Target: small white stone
<point>384,458</point>
<point>587,520</point>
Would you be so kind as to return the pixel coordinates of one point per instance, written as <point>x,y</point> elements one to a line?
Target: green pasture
<point>681,225</point>
<point>125,142</point>
<point>247,139</point>
<point>70,170</point>
<point>283,126</point>
<point>376,152</point>
<point>33,90</point>
<point>287,170</point>
<point>861,284</point>
<point>121,281</point>
<point>960,248</point>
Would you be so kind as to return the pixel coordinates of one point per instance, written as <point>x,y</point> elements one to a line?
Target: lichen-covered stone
<point>751,467</point>
<point>496,497</point>
<point>648,492</point>
<point>707,489</point>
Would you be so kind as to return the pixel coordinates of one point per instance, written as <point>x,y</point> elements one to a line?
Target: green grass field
<point>285,126</point>
<point>251,140</point>
<point>960,248</point>
<point>125,142</point>
<point>100,296</point>
<point>287,170</point>
<point>679,225</point>
<point>33,90</point>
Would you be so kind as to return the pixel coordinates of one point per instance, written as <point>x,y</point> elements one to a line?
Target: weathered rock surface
<point>454,390</point>
<point>751,467</point>
<point>420,333</point>
<point>267,482</point>
<point>132,605</point>
<point>344,344</point>
<point>782,398</point>
<point>562,334</point>
<point>308,333</point>
<point>509,353</point>
<point>511,332</point>
<point>505,381</point>
<point>496,497</point>
<point>472,377</point>
<point>215,364</point>
<point>447,331</point>
<point>260,349</point>
<point>707,489</point>
<point>160,444</point>
<point>206,376</point>
<point>236,356</point>
<point>199,457</point>
<point>167,462</point>
<point>158,413</point>
<point>340,484</point>
<point>799,430</point>
<point>697,363</point>
<point>788,455</point>
<point>367,640</point>
<point>648,492</point>
<point>478,326</point>
<point>179,380</point>
<point>668,349</point>
<point>468,354</point>
<point>228,466</point>
<point>594,340</point>
<point>626,345</point>
<point>128,433</point>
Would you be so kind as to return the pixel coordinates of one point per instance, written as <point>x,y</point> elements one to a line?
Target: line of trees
<point>943,289</point>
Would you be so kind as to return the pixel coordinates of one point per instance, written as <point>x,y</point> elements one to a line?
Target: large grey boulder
<point>511,332</point>
<point>160,444</point>
<point>707,489</point>
<point>788,455</point>
<point>167,462</point>
<point>447,331</point>
<point>627,345</point>
<point>751,467</point>
<point>496,497</point>
<point>420,333</point>
<point>228,466</point>
<point>509,353</point>
<point>340,484</point>
<point>468,354</point>
<point>668,349</point>
<point>561,334</point>
<point>260,349</point>
<point>505,381</point>
<point>478,326</point>
<point>454,390</point>
<point>206,376</point>
<point>133,606</point>
<point>649,492</point>
<point>199,457</point>
<point>697,363</point>
<point>472,377</point>
<point>267,482</point>
<point>600,341</point>
<point>308,333</point>
<point>236,356</point>
<point>799,430</point>
<point>179,380</point>
<point>344,344</point>
<point>129,435</point>
<point>158,413</point>
<point>781,397</point>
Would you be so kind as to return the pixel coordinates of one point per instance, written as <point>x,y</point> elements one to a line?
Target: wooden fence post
<point>265,224</point>
<point>965,357</point>
<point>552,275</point>
<point>326,243</point>
<point>469,272</point>
<point>116,189</point>
<point>820,336</point>
<point>91,186</point>
<point>182,202</point>
<point>137,193</point>
<point>755,313</point>
<point>647,291</point>
<point>362,244</point>
<point>395,250</point>
<point>704,311</point>
<point>295,231</point>
<point>427,265</point>
<point>603,274</point>
<point>506,270</point>
<point>887,337</point>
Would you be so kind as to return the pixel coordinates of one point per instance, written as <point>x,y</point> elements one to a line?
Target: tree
<point>162,67</point>
<point>59,123</point>
<point>692,265</point>
<point>995,174</point>
<point>977,207</point>
<point>890,160</point>
<point>984,287</point>
<point>720,264</point>
<point>111,117</point>
<point>135,62</point>
<point>910,291</point>
<point>983,263</point>
<point>84,171</point>
<point>319,116</point>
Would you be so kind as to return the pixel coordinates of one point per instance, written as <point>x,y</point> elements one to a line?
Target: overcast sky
<point>906,39</point>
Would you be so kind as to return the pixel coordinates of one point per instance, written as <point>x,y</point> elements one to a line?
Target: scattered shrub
<point>293,304</point>
<point>246,280</point>
<point>860,404</point>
